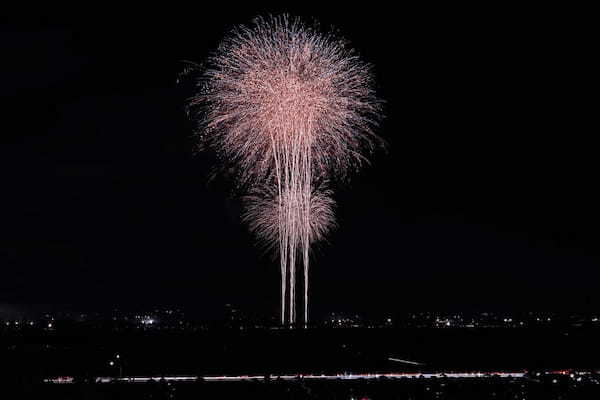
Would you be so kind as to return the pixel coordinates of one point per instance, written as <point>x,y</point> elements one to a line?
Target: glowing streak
<point>238,378</point>
<point>404,361</point>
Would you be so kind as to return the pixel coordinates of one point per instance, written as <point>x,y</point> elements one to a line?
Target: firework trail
<point>263,216</point>
<point>285,107</point>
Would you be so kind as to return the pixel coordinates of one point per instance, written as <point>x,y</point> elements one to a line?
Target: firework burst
<point>287,106</point>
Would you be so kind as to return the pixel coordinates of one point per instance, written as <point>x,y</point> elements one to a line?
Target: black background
<point>485,199</point>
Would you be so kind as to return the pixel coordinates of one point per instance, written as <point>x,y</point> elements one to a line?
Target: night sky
<point>485,198</point>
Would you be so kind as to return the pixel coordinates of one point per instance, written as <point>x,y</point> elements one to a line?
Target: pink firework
<point>287,106</point>
<point>261,214</point>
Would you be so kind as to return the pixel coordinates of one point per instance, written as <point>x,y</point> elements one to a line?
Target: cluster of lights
<point>18,323</point>
<point>344,322</point>
<point>173,319</point>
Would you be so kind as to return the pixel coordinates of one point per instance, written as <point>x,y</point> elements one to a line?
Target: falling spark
<point>287,108</point>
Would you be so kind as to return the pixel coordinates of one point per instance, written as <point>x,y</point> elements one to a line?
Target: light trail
<point>242,378</point>
<point>404,361</point>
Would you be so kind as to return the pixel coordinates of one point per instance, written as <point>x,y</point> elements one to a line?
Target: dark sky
<point>485,199</point>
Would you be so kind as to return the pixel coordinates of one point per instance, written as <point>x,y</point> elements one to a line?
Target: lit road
<point>238,378</point>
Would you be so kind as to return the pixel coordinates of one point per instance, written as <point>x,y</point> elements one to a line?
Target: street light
<point>112,363</point>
